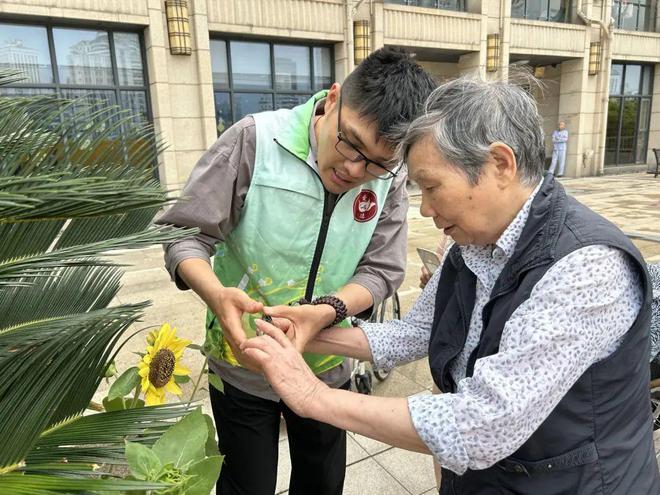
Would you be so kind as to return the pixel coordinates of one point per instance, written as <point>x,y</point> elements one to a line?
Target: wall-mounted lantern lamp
<point>178,27</point>
<point>594,58</point>
<point>361,41</point>
<point>492,52</point>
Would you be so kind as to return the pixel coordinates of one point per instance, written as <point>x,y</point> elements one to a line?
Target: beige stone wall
<point>441,71</point>
<point>120,11</point>
<point>547,97</point>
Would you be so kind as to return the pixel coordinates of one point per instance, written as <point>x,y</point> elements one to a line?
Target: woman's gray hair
<point>466,115</point>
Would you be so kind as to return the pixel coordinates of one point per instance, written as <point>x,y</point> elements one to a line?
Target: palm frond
<point>76,183</point>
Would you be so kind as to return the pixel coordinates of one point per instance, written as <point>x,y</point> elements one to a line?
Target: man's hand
<point>424,277</point>
<point>305,321</point>
<point>228,306</point>
<point>284,368</point>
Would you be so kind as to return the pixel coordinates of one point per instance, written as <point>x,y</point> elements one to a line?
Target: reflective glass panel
<point>322,68</point>
<point>633,75</point>
<point>93,101</point>
<point>250,64</point>
<point>136,102</point>
<point>647,79</point>
<point>557,11</point>
<point>628,128</point>
<point>222,112</point>
<point>628,16</point>
<point>616,79</point>
<point>642,147</point>
<point>129,59</point>
<point>25,48</point>
<point>289,101</point>
<point>219,63</point>
<point>247,103</point>
<point>7,91</point>
<point>642,20</point>
<point>615,12</point>
<point>518,8</point>
<point>83,57</point>
<point>537,10</point>
<point>613,114</point>
<point>292,71</point>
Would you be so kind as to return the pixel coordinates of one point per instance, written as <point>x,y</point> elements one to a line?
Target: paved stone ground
<point>631,201</point>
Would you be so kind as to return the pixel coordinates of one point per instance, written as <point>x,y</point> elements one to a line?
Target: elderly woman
<point>536,327</point>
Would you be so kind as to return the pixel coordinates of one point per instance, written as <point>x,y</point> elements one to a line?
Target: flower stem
<point>136,396</point>
<point>199,379</point>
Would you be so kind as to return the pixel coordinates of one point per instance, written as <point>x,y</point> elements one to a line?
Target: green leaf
<point>211,447</point>
<point>121,403</point>
<point>206,473</point>
<point>195,347</point>
<point>216,382</point>
<point>125,384</point>
<point>184,442</point>
<point>143,463</point>
<point>180,379</point>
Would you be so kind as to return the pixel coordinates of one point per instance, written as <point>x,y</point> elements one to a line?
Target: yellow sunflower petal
<point>173,388</point>
<point>181,370</point>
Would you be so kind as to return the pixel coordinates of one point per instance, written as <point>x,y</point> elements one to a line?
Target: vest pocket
<point>573,458</point>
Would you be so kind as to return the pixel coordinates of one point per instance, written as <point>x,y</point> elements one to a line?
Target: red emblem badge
<point>365,206</point>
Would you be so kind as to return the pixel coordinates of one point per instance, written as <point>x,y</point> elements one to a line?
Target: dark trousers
<point>248,433</point>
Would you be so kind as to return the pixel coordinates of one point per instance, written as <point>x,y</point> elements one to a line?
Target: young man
<point>296,204</point>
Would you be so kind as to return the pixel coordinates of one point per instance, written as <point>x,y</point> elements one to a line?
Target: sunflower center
<point>162,367</point>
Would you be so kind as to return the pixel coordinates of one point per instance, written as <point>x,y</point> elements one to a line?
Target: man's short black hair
<point>390,88</point>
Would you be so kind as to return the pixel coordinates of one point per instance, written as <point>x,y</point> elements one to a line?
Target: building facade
<point>598,61</point>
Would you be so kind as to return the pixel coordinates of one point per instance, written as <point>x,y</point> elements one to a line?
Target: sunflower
<point>161,363</point>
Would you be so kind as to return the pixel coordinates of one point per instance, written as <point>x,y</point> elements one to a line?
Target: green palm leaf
<point>76,183</point>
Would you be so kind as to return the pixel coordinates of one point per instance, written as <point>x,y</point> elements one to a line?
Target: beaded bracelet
<point>336,303</point>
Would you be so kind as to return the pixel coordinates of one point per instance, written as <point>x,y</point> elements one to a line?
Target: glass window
<point>9,91</point>
<point>219,63</point>
<point>244,83</point>
<point>540,10</point>
<point>632,80</point>
<point>129,59</point>
<point>136,101</point>
<point>633,15</point>
<point>616,79</point>
<point>83,57</point>
<point>250,65</point>
<point>292,71</point>
<point>247,103</point>
<point>25,48</point>
<point>289,101</point>
<point>613,117</point>
<point>322,68</point>
<point>222,112</point>
<point>647,79</point>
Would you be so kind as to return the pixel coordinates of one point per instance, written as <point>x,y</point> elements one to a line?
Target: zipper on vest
<point>328,208</point>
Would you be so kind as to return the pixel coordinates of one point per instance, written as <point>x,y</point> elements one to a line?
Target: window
<point>540,10</point>
<point>629,113</point>
<point>255,76</point>
<point>458,5</point>
<point>634,15</point>
<point>104,65</point>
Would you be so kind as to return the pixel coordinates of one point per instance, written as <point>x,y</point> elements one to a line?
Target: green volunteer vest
<point>269,254</point>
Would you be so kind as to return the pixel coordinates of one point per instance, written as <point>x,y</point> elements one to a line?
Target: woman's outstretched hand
<point>284,367</point>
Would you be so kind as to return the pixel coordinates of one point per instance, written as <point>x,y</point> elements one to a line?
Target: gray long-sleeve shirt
<point>212,201</point>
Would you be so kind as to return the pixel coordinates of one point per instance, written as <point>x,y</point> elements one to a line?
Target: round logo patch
<point>365,206</point>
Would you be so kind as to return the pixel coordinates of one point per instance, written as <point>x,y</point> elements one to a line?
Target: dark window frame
<point>622,97</point>
<point>650,7</point>
<point>110,30</point>
<point>567,12</point>
<point>231,90</point>
<point>415,3</point>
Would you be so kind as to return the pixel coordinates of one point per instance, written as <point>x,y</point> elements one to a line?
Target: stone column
<point>181,93</point>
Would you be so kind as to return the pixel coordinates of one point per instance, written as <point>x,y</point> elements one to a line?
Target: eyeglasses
<point>349,151</point>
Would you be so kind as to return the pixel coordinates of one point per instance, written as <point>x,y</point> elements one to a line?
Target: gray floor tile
<point>369,445</point>
<point>367,477</point>
<point>396,385</point>
<point>413,470</point>
<point>419,372</point>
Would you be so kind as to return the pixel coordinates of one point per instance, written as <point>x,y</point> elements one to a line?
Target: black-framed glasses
<point>349,151</point>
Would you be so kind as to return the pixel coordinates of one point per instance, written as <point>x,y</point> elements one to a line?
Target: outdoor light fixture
<point>594,58</point>
<point>178,27</point>
<point>361,40</point>
<point>492,52</point>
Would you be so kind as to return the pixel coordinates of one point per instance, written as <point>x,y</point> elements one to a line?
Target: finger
<point>249,305</point>
<point>233,329</point>
<point>282,323</point>
<point>265,343</point>
<point>257,355</point>
<point>276,333</point>
<point>281,311</point>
